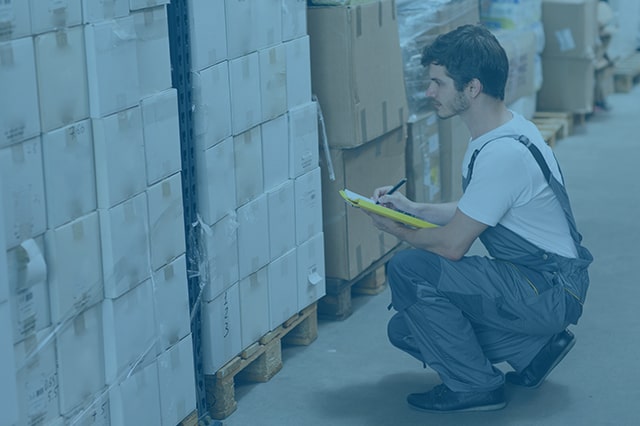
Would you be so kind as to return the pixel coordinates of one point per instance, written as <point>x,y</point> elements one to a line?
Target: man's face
<point>444,97</point>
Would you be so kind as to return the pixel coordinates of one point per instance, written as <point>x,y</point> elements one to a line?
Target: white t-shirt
<point>508,187</point>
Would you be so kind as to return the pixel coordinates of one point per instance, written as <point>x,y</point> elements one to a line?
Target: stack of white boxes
<point>90,168</point>
<point>258,175</point>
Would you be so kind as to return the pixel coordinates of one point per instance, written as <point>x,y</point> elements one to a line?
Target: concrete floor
<point>352,376</point>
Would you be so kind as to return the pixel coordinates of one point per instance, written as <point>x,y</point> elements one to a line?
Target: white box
<point>177,382</point>
<point>254,307</point>
<point>23,188</point>
<point>207,33</point>
<point>246,104</point>
<point>253,235</point>
<point>15,19</point>
<point>30,308</point>
<point>283,288</point>
<point>171,295</point>
<point>69,173</point>
<point>154,62</point>
<point>216,181</point>
<point>129,332</point>
<point>20,117</point>
<point>298,72</point>
<point>4,269</point>
<point>62,78</point>
<point>80,358</point>
<point>222,267</point>
<point>74,284</point>
<point>247,148</point>
<point>166,221</point>
<point>303,139</point>
<point>161,130</point>
<point>143,4</point>
<point>124,235</point>
<point>294,19</point>
<point>8,390</point>
<point>93,411</point>
<point>282,213</point>
<point>308,195</point>
<point>273,81</point>
<point>119,157</point>
<point>103,10</point>
<point>54,15</point>
<point>267,22</point>
<point>37,378</point>
<point>221,332</point>
<point>311,271</point>
<point>241,31</point>
<point>136,400</point>
<point>112,65</point>
<point>275,151</point>
<point>211,105</point>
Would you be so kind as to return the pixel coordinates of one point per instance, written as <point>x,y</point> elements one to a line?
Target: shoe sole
<point>491,407</point>
<point>555,363</point>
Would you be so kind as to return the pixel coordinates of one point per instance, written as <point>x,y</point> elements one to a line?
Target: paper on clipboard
<point>368,204</point>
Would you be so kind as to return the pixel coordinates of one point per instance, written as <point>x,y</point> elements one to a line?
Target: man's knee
<point>397,330</point>
<point>413,265</point>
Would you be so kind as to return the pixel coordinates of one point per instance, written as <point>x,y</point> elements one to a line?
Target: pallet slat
<point>626,73</point>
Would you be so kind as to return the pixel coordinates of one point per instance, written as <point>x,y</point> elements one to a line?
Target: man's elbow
<point>455,252</point>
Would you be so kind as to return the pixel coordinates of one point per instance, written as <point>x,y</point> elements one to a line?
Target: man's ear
<point>474,87</point>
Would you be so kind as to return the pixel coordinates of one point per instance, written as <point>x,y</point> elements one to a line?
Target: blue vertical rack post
<point>178,21</point>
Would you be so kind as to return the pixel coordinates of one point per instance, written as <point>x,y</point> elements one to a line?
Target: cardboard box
<point>254,307</point>
<point>211,105</point>
<point>154,63</point>
<point>9,389</point>
<point>282,276</point>
<point>273,81</point>
<point>57,15</point>
<point>352,243</point>
<point>568,85</point>
<point>267,22</point>
<point>221,332</point>
<point>124,233</point>
<point>15,21</point>
<point>143,4</point>
<point>20,119</point>
<point>23,191</point>
<point>454,140</point>
<point>423,159</point>
<point>94,411</point>
<point>80,357</point>
<point>166,221</point>
<point>282,213</point>
<point>129,332</point>
<point>570,28</point>
<point>361,96</point>
<point>311,271</point>
<point>303,139</point>
<point>247,149</point>
<point>241,33</point>
<point>275,151</point>
<point>253,236</point>
<point>520,46</point>
<point>294,19</point>
<point>112,64</point>
<point>69,173</point>
<point>177,382</point>
<point>119,157</point>
<point>62,78</point>
<point>161,132</point>
<point>246,103</point>
<point>4,270</point>
<point>136,400</point>
<point>308,211</point>
<point>216,169</point>
<point>104,10</point>
<point>171,295</point>
<point>221,263</point>
<point>30,307</point>
<point>37,378</point>
<point>207,33</point>
<point>74,285</point>
<point>298,72</point>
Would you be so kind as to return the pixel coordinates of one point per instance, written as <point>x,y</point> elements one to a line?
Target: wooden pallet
<point>336,304</point>
<point>626,73</point>
<point>259,362</point>
<point>557,125</point>
<point>190,420</point>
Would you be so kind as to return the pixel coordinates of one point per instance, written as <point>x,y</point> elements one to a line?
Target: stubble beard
<point>459,105</point>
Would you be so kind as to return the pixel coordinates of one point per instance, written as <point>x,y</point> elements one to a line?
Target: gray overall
<point>462,317</point>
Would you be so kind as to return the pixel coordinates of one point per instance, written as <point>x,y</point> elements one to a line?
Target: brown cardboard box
<point>454,139</point>
<point>567,85</point>
<point>423,158</point>
<point>520,47</point>
<point>570,28</point>
<point>352,243</point>
<point>356,71</point>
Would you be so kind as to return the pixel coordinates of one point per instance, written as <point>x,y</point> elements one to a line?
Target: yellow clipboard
<point>365,203</point>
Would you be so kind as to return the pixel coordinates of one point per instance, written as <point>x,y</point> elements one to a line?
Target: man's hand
<point>395,201</point>
<point>385,224</point>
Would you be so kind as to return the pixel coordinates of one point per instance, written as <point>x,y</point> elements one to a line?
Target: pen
<point>397,185</point>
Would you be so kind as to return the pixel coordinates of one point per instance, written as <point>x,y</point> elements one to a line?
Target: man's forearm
<point>440,213</point>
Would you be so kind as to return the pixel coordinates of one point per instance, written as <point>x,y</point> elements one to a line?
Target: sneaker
<point>441,399</point>
<point>549,356</point>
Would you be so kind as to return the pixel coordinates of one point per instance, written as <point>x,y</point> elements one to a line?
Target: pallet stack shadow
<point>261,250</point>
<point>93,217</point>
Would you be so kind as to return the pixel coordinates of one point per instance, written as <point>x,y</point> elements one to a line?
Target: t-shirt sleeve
<point>500,181</point>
